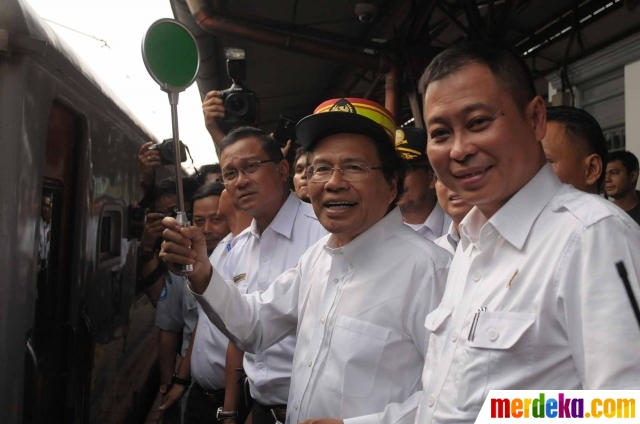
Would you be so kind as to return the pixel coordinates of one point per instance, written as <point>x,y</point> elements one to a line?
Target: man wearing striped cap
<point>358,298</point>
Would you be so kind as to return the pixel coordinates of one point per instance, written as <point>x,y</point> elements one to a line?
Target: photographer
<point>148,160</point>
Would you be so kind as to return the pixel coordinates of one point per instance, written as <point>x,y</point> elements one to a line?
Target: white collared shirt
<point>435,226</point>
<point>358,312</point>
<point>449,241</point>
<point>557,316</point>
<point>255,261</point>
<point>209,352</point>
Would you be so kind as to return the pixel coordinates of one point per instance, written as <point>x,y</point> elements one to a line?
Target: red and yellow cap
<point>346,115</point>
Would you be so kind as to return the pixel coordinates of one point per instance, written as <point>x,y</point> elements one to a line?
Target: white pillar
<point>632,106</point>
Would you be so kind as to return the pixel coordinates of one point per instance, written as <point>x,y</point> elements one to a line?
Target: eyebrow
<point>345,160</point>
<point>467,110</point>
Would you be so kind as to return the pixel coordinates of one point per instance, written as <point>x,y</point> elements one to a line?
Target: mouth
<point>471,175</point>
<point>242,196</point>
<point>455,199</point>
<point>338,206</point>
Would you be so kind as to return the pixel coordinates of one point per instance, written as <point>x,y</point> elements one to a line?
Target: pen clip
<point>474,323</point>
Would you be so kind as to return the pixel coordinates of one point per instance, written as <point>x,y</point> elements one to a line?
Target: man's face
<point>451,203</point>
<point>347,209</point>
<point>205,217</point>
<point>253,193</point>
<point>45,209</point>
<point>618,182</point>
<point>418,190</point>
<point>565,156</point>
<point>480,145</point>
<point>166,204</point>
<point>300,178</point>
<point>213,177</point>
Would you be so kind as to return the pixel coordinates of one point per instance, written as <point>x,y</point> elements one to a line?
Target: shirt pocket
<point>435,324</point>
<point>354,357</point>
<point>497,339</point>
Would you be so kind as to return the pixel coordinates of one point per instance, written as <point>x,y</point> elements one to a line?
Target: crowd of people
<point>396,275</point>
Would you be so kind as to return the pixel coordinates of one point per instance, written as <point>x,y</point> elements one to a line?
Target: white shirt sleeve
<point>253,321</point>
<point>594,309</point>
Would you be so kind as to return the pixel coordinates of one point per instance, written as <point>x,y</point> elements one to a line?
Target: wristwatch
<point>180,381</point>
<point>164,388</point>
<point>223,415</point>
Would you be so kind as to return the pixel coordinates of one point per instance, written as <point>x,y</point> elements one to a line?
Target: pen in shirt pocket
<point>474,323</point>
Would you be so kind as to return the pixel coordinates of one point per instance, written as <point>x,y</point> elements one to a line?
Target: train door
<point>58,372</point>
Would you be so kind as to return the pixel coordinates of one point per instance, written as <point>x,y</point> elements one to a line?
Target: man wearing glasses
<point>358,298</point>
<point>419,203</point>
<point>255,175</point>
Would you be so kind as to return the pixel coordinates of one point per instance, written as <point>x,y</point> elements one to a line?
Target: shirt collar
<point>370,239</point>
<point>514,220</point>
<point>435,220</point>
<point>284,219</point>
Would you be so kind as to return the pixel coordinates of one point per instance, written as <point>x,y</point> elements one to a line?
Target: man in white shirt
<point>535,269</point>
<point>358,298</point>
<point>419,204</point>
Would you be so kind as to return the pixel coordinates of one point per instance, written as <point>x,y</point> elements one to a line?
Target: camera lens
<point>236,104</point>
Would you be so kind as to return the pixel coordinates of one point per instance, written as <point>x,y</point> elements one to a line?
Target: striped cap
<point>346,115</point>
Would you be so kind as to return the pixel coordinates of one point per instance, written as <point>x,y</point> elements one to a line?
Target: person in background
<point>419,204</point>
<point>576,148</point>
<point>533,299</point>
<point>205,203</point>
<point>210,173</point>
<point>300,186</point>
<point>620,182</point>
<point>457,209</point>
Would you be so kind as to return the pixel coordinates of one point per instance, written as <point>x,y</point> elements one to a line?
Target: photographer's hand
<point>213,109</point>
<point>187,246</point>
<point>148,160</point>
<point>152,231</point>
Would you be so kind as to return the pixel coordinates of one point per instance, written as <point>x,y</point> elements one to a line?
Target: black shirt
<point>635,213</point>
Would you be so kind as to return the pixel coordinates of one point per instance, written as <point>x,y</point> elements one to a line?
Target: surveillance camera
<point>366,12</point>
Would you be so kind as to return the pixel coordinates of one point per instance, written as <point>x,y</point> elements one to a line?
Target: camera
<point>366,12</point>
<point>167,151</point>
<point>240,103</point>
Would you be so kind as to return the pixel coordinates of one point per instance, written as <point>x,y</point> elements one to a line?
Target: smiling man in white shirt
<point>535,269</point>
<point>358,298</point>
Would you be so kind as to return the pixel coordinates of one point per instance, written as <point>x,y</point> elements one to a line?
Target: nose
<point>462,147</point>
<point>208,227</point>
<point>336,181</point>
<point>242,179</point>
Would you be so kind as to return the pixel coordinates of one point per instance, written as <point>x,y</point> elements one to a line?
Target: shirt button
<point>259,366</point>
<point>335,280</point>
<point>265,259</point>
<point>198,350</point>
<point>309,362</point>
<point>476,276</point>
<point>454,336</point>
<point>295,406</point>
<point>431,399</point>
<point>322,320</point>
<point>492,334</point>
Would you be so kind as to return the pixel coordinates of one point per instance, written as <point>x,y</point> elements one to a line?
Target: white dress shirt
<point>449,241</point>
<point>557,316</point>
<point>436,224</point>
<point>358,312</point>
<point>254,262</point>
<point>177,310</point>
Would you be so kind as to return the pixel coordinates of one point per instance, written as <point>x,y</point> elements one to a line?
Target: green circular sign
<point>170,54</point>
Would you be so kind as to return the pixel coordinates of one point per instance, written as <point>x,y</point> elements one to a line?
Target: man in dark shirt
<point>620,182</point>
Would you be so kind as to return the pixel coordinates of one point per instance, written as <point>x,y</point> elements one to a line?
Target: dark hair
<point>207,190</point>
<point>393,166</point>
<point>505,64</point>
<point>213,168</point>
<point>628,160</point>
<point>167,187</point>
<point>269,144</point>
<point>582,128</point>
<point>301,151</point>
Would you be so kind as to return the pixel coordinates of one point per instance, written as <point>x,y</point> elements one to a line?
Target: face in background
<point>45,209</point>
<point>347,209</point>
<point>480,144</point>
<point>300,178</point>
<point>618,182</point>
<point>569,159</point>
<point>213,177</point>
<point>418,191</point>
<point>258,192</point>
<point>451,203</point>
<point>166,204</point>
<point>205,217</point>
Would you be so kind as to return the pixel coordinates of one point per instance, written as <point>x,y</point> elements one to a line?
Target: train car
<point>77,337</point>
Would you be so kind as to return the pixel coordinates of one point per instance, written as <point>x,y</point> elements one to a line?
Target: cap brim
<point>313,128</point>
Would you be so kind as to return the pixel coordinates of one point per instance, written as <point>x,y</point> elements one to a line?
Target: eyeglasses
<point>351,171</point>
<point>251,167</point>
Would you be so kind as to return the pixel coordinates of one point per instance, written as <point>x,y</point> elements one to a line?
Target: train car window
<point>110,235</point>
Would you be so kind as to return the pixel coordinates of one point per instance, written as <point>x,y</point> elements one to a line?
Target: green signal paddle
<point>171,56</point>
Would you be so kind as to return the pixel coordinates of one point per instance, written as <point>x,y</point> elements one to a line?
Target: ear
<point>536,113</point>
<point>393,189</point>
<point>634,177</point>
<point>283,170</point>
<point>593,169</point>
<point>432,182</point>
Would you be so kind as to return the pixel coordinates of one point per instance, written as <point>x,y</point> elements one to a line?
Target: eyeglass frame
<point>243,170</point>
<point>369,168</point>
